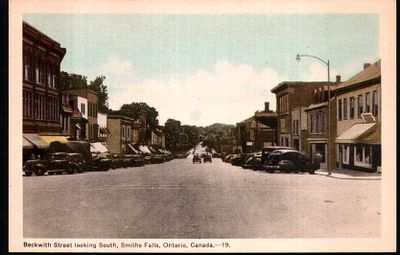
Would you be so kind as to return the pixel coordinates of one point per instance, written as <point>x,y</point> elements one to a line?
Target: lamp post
<point>298,58</point>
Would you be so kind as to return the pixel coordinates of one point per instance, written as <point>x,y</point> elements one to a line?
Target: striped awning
<point>98,147</point>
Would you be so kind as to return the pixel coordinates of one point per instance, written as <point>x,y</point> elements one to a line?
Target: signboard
<point>249,143</point>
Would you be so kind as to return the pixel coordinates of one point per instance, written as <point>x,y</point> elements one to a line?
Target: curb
<point>348,177</point>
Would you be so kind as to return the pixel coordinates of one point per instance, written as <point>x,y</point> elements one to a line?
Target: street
<point>178,199</point>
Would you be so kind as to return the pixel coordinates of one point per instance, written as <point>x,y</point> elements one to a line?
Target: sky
<point>205,69</point>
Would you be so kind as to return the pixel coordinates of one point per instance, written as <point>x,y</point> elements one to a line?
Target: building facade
<point>89,111</point>
<point>292,99</point>
<point>119,138</point>
<point>42,58</point>
<point>358,102</point>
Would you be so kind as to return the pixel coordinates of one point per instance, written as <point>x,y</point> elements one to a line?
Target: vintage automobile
<point>134,160</point>
<point>196,158</point>
<point>36,166</point>
<point>81,164</point>
<point>267,150</point>
<point>99,162</point>
<point>288,161</point>
<point>254,162</point>
<point>240,159</point>
<point>60,162</point>
<point>206,157</point>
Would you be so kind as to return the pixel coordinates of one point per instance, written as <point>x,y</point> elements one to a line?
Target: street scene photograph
<point>203,126</point>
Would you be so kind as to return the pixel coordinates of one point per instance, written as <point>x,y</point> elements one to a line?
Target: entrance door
<point>296,144</point>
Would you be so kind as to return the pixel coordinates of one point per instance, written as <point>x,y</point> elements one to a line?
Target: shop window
<point>83,108</point>
<point>345,154</point>
<point>362,155</point>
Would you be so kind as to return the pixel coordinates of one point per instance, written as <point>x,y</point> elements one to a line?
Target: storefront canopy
<point>357,133</point>
<point>133,149</point>
<point>36,140</point>
<point>27,144</point>
<point>57,138</point>
<point>98,147</point>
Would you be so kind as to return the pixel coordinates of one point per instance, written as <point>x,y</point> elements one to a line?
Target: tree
<point>172,132</point>
<point>98,86</point>
<point>72,81</point>
<point>136,110</point>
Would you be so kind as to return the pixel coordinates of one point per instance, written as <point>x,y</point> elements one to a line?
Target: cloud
<point>317,71</point>
<point>228,93</point>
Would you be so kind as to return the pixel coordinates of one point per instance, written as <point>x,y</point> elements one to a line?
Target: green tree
<point>172,132</point>
<point>136,110</point>
<point>98,86</point>
<point>72,81</point>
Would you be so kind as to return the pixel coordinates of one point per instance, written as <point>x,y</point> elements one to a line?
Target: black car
<point>207,157</point>
<point>81,164</point>
<point>100,162</point>
<point>196,158</point>
<point>254,162</point>
<point>267,150</point>
<point>134,160</point>
<point>240,159</point>
<point>288,161</point>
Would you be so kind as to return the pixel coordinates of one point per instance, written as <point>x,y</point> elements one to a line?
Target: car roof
<point>283,151</point>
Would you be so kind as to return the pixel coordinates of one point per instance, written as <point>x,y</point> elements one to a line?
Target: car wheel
<point>51,173</point>
<point>80,170</point>
<point>311,172</point>
<point>39,172</point>
<point>28,173</point>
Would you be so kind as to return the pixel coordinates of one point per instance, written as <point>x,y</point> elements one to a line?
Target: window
<point>360,106</point>
<point>352,105</point>
<point>367,102</point>
<point>345,154</point>
<point>345,108</point>
<point>375,103</point>
<point>295,126</point>
<point>340,109</point>
<point>283,103</point>
<point>322,130</point>
<point>83,108</point>
<point>362,155</point>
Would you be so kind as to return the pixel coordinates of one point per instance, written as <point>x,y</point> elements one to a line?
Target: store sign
<point>249,143</point>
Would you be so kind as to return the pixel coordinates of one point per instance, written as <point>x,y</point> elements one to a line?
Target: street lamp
<point>298,58</point>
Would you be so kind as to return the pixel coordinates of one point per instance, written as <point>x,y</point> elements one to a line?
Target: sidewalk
<point>339,173</point>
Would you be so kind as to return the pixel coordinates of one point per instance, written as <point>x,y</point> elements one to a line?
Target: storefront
<point>359,147</point>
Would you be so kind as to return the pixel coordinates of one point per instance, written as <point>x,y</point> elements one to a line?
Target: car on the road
<point>240,159</point>
<point>60,162</point>
<point>288,161</point>
<point>100,162</point>
<point>254,162</point>
<point>267,150</point>
<point>35,166</point>
<point>207,157</point>
<point>80,162</point>
<point>196,158</point>
<point>134,160</point>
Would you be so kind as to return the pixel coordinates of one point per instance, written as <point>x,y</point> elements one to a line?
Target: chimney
<point>366,65</point>
<point>266,106</point>
<point>338,79</point>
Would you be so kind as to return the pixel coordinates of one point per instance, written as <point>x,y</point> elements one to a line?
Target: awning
<point>317,140</point>
<point>98,147</point>
<point>27,144</point>
<point>133,148</point>
<point>104,130</point>
<point>356,133</point>
<point>36,140</point>
<point>144,149</point>
<point>58,138</point>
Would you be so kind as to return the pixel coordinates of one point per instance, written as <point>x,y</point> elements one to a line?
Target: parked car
<point>207,157</point>
<point>196,158</point>
<point>36,166</point>
<point>60,162</point>
<point>100,162</point>
<point>134,160</point>
<point>240,158</point>
<point>288,161</point>
<point>81,164</point>
<point>116,160</point>
<point>229,157</point>
<point>254,162</point>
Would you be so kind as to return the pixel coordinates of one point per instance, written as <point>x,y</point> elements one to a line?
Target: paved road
<point>179,199</point>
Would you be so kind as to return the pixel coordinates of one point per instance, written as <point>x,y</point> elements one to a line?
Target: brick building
<point>292,98</point>
<point>358,102</point>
